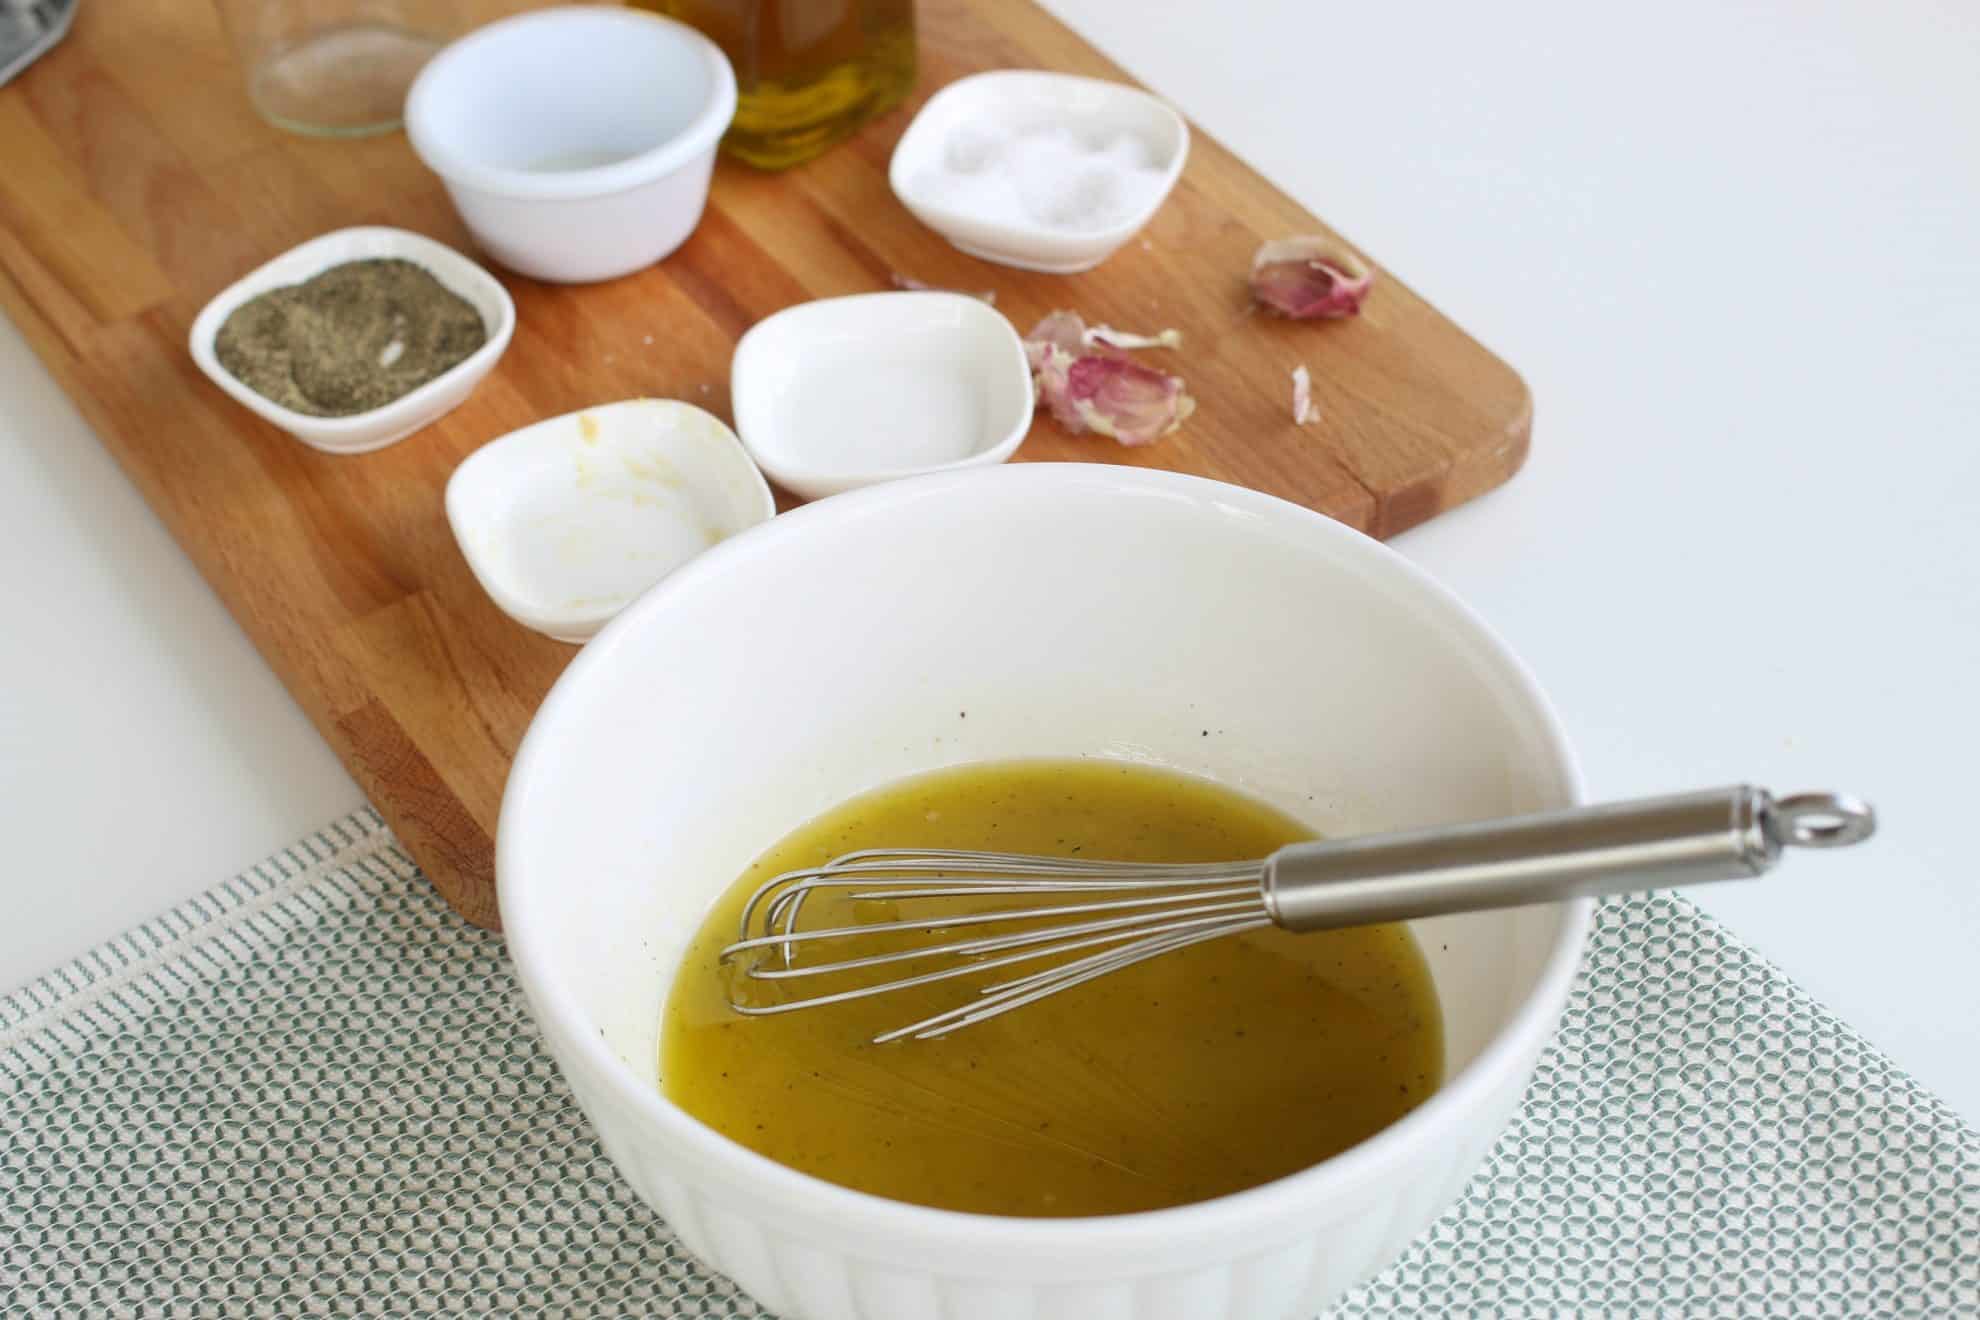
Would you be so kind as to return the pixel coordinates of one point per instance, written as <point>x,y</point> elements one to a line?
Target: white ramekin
<point>576,142</point>
<point>1034,610</point>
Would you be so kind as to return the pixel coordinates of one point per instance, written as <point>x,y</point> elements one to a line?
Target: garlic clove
<point>1309,277</point>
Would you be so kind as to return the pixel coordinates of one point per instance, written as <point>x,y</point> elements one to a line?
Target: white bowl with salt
<point>1041,171</point>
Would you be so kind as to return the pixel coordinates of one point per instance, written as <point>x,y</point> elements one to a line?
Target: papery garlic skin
<point>1064,331</point>
<point>1309,277</point>
<point>1089,384</point>
<point>1303,408</point>
<point>1051,373</point>
<point>1134,404</point>
<point>1105,336</point>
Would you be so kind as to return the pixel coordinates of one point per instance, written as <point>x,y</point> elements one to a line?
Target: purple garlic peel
<point>1089,384</point>
<point>1309,277</point>
<point>1063,331</point>
<point>1136,405</point>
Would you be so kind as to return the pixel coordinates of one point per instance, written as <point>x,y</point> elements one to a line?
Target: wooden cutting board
<point>136,181</point>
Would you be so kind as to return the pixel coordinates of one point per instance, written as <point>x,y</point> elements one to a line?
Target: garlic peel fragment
<point>1105,336</point>
<point>1309,277</point>
<point>1303,408</point>
<point>1063,331</point>
<point>1134,404</point>
<point>1089,384</point>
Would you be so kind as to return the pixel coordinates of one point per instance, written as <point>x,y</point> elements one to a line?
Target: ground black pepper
<point>349,340</point>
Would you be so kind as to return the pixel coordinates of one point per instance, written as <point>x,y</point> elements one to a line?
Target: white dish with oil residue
<point>566,521</point>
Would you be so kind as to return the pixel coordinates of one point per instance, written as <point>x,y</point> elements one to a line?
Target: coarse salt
<point>1044,175</point>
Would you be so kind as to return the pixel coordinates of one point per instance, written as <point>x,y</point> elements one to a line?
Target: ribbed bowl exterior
<point>797,1266</point>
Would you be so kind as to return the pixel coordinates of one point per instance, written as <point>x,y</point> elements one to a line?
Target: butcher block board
<point>136,182</point>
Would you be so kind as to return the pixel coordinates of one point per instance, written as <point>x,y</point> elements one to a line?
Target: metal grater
<point>29,27</point>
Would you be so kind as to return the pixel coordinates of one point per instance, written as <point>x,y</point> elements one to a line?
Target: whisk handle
<point>1653,843</point>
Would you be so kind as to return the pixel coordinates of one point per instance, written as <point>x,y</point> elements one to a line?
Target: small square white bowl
<point>847,392</point>
<point>362,432</point>
<point>567,521</point>
<point>1024,100</point>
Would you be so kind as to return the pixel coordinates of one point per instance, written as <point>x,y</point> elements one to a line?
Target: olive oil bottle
<point>808,72</point>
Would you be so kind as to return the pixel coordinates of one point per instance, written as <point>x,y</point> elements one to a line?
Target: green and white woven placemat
<point>316,1091</point>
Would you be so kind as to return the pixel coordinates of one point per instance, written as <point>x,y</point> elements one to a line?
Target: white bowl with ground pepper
<point>357,338</point>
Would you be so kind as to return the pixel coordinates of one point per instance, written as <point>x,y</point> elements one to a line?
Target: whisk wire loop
<point>1114,914</point>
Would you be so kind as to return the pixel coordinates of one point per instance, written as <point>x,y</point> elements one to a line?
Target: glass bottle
<point>335,68</point>
<point>808,72</point>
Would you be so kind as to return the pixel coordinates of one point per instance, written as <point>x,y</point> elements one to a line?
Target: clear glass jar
<point>808,72</point>
<point>335,68</point>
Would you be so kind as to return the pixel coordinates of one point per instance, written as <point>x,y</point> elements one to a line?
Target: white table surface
<point>1734,249</point>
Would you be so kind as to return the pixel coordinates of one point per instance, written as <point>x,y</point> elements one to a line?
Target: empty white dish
<point>566,521</point>
<point>365,431</point>
<point>576,142</point>
<point>1042,171</point>
<point>846,392</point>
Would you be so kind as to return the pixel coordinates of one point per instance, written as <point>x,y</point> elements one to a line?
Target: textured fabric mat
<point>316,1091</point>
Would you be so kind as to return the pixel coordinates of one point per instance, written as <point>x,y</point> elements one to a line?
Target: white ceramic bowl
<point>930,153</point>
<point>365,431</point>
<point>1070,610</point>
<point>565,521</point>
<point>846,392</point>
<point>576,142</point>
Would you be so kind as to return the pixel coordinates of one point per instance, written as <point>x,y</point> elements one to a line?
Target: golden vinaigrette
<point>1192,1075</point>
<point>808,72</point>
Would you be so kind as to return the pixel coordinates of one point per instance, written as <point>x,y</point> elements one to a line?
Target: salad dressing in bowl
<point>1192,1075</point>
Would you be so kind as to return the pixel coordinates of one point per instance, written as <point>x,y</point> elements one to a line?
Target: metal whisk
<point>1097,917</point>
